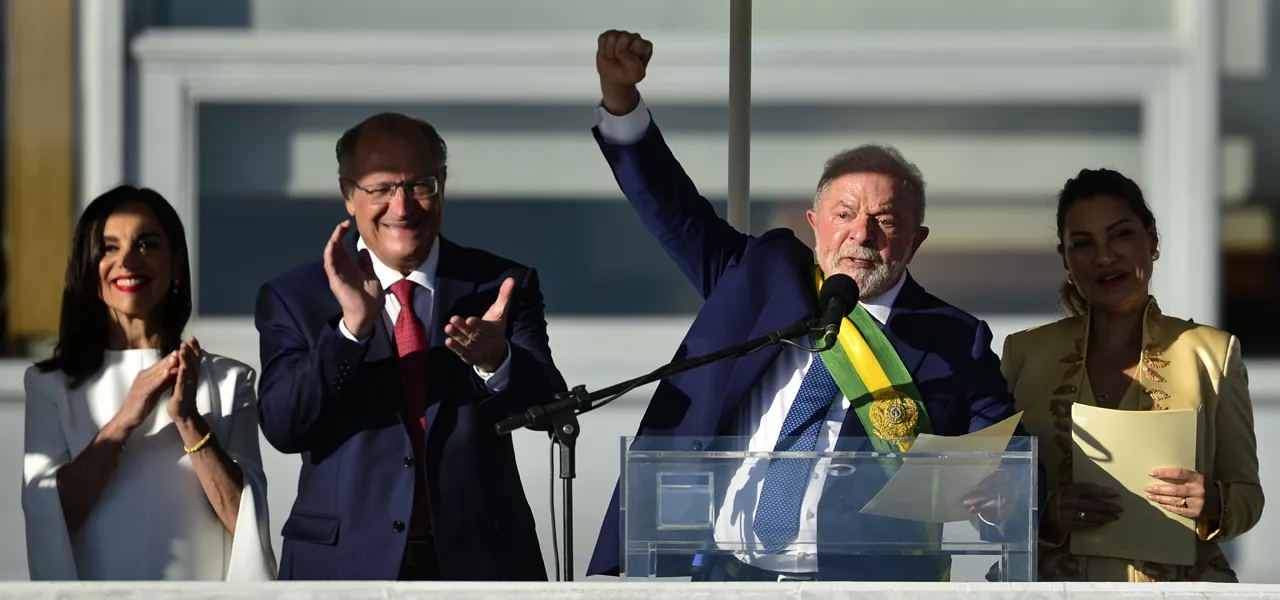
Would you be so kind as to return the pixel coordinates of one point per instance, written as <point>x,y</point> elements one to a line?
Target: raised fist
<point>622,58</point>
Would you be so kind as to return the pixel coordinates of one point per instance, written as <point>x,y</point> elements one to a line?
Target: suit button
<point>408,461</point>
<point>398,526</point>
<point>697,444</point>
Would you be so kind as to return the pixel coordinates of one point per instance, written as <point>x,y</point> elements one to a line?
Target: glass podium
<point>952,509</point>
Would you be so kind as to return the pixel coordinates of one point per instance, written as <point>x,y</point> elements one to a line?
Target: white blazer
<point>153,520</point>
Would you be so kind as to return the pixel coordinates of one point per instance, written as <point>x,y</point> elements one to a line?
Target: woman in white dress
<point>141,450</point>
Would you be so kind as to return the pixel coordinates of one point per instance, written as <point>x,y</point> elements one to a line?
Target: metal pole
<point>740,114</point>
<point>1198,171</point>
<point>101,86</point>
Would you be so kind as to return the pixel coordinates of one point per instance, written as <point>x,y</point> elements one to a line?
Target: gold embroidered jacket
<point>1183,366</point>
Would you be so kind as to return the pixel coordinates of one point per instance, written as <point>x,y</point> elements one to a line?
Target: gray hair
<point>876,158</point>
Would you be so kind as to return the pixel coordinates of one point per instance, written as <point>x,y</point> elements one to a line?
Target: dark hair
<point>346,146</point>
<point>885,160</point>
<point>1092,183</point>
<point>83,331</point>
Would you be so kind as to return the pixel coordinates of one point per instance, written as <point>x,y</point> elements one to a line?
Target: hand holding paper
<point>1120,449</point>
<point>988,498</point>
<point>941,490</point>
<point>1184,493</point>
<point>1082,506</point>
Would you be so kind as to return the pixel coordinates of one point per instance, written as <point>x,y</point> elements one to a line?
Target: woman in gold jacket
<point>1116,350</point>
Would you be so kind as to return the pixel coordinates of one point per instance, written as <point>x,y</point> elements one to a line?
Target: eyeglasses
<point>419,190</point>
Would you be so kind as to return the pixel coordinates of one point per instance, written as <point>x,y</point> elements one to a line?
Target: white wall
<point>1253,555</point>
<point>651,341</point>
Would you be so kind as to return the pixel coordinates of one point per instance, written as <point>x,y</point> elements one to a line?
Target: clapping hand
<point>353,283</point>
<point>182,404</point>
<point>148,386</point>
<point>482,342</point>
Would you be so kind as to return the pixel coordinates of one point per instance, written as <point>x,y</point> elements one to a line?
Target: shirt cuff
<point>342,326</point>
<point>497,380</point>
<point>626,129</point>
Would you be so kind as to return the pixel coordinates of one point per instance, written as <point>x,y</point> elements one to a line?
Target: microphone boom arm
<point>580,401</point>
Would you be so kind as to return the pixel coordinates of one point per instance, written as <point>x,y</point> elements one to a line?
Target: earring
<point>1071,282</point>
<point>1155,255</point>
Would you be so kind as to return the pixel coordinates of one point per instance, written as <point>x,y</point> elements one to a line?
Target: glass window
<point>595,15</point>
<point>528,182</point>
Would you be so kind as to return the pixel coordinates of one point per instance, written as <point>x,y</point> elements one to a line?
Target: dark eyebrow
<point>1109,227</point>
<point>146,235</point>
<point>1118,223</point>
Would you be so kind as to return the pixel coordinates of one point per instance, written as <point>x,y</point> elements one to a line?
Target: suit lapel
<point>790,301</point>
<point>907,302</point>
<point>386,363</point>
<point>451,287</point>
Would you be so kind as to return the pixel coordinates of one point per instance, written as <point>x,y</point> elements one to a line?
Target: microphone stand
<point>562,413</point>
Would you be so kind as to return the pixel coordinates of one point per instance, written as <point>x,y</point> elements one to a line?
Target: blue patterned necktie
<point>777,521</point>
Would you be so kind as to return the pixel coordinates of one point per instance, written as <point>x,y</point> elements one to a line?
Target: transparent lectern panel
<point>685,501</point>
<point>946,509</point>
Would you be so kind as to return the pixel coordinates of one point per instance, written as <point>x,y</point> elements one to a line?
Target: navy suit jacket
<point>755,285</point>
<point>339,404</point>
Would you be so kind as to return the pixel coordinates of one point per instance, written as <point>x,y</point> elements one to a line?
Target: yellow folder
<point>1118,449</point>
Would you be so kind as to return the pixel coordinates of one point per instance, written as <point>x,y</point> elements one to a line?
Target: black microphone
<point>839,296</point>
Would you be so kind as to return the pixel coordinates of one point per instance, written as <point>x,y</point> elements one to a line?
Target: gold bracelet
<point>200,444</point>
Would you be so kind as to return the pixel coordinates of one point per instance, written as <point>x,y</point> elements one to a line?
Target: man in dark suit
<point>867,219</point>
<point>386,365</point>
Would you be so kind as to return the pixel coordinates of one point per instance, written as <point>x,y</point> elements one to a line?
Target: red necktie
<point>411,346</point>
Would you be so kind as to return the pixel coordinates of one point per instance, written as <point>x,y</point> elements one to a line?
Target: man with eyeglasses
<point>386,365</point>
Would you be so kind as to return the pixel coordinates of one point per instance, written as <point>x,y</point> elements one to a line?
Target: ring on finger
<point>1183,503</point>
<point>1080,516</point>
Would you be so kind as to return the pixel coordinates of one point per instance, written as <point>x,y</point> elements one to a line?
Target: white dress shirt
<point>761,416</point>
<point>424,302</point>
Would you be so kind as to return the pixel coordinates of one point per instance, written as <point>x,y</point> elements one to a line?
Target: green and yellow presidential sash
<point>871,375</point>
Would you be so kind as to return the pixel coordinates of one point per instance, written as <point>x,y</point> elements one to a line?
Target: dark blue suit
<point>754,285</point>
<point>341,407</point>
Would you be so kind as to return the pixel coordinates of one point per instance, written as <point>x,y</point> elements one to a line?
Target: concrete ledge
<point>636,591</point>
